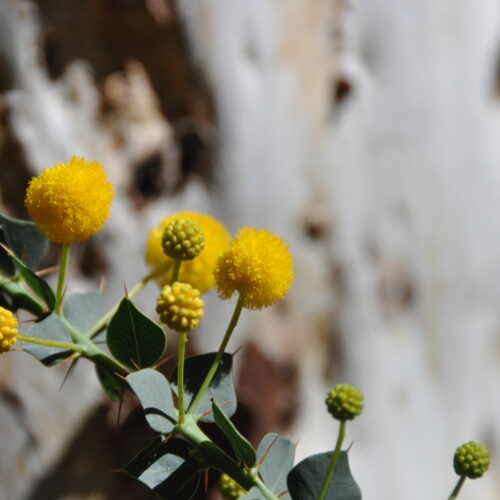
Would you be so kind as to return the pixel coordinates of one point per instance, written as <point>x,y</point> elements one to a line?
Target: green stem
<point>103,320</point>
<point>51,343</point>
<point>175,271</point>
<point>220,460</point>
<point>91,351</point>
<point>215,363</point>
<point>180,375</point>
<point>458,486</point>
<point>333,462</point>
<point>63,267</point>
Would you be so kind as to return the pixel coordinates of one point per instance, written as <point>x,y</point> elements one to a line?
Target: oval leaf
<point>83,310</point>
<point>24,239</point>
<point>51,328</point>
<point>241,446</point>
<point>166,468</point>
<point>306,478</point>
<point>275,455</point>
<point>153,391</point>
<point>133,338</point>
<point>221,387</point>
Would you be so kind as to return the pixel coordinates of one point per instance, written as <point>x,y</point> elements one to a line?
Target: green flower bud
<point>344,402</point>
<point>230,489</point>
<point>471,460</point>
<point>183,239</point>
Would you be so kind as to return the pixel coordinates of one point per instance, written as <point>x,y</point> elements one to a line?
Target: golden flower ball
<point>258,265</point>
<point>71,201</point>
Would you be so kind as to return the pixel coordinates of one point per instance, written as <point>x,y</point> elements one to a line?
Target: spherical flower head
<point>183,239</point>
<point>199,271</point>
<point>345,402</point>
<point>8,330</point>
<point>258,265</point>
<point>230,489</point>
<point>180,306</point>
<point>71,201</point>
<point>471,460</point>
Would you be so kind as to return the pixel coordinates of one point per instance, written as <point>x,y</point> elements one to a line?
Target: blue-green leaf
<point>276,454</point>
<point>51,328</point>
<point>221,387</point>
<point>24,239</point>
<point>306,478</point>
<point>83,310</point>
<point>153,391</point>
<point>133,338</point>
<point>241,446</point>
<point>39,286</point>
<point>166,468</point>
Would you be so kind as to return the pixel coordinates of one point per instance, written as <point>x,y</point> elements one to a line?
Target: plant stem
<point>91,351</point>
<point>458,486</point>
<point>220,460</point>
<point>215,363</point>
<point>51,343</point>
<point>63,266</point>
<point>175,271</point>
<point>103,320</point>
<point>333,462</point>
<point>266,492</point>
<point>180,375</point>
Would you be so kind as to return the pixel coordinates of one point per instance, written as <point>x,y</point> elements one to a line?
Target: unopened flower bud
<point>180,306</point>
<point>183,239</point>
<point>230,489</point>
<point>344,402</point>
<point>8,330</point>
<point>471,460</point>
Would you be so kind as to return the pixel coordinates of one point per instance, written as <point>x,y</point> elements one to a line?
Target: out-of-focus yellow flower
<point>230,489</point>
<point>71,201</point>
<point>180,306</point>
<point>198,272</point>
<point>258,265</point>
<point>8,330</point>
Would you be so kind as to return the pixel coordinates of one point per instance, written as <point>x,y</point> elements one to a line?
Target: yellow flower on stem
<point>258,265</point>
<point>8,330</point>
<point>70,202</point>
<point>198,272</point>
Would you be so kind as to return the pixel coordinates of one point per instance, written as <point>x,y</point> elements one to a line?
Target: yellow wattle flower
<point>198,272</point>
<point>70,202</point>
<point>8,330</point>
<point>258,265</point>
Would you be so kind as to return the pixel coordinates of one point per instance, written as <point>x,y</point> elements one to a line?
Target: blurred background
<point>366,133</point>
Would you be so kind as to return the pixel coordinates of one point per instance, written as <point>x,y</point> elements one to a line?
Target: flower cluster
<point>71,201</point>
<point>258,266</point>
<point>180,306</point>
<point>230,489</point>
<point>471,460</point>
<point>182,239</point>
<point>199,271</point>
<point>344,402</point>
<point>8,330</point>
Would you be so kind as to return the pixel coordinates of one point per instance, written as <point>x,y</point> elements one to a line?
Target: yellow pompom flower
<point>70,202</point>
<point>258,265</point>
<point>198,272</point>
<point>8,330</point>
